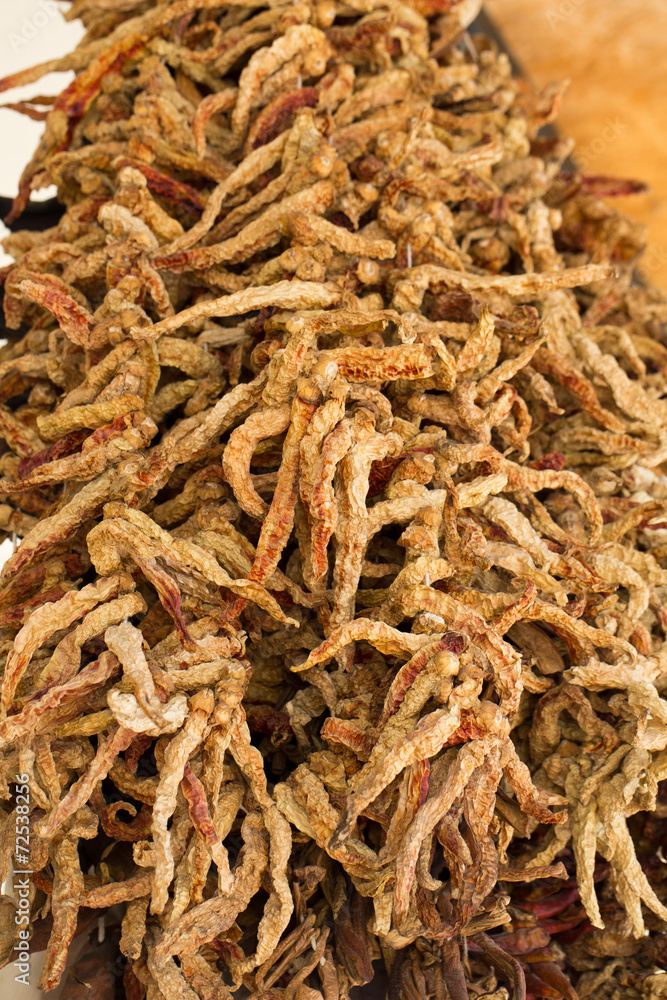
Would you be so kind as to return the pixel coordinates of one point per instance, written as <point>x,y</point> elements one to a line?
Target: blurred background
<point>614,53</point>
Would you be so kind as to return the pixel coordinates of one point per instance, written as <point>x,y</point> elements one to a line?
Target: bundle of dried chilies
<point>334,431</point>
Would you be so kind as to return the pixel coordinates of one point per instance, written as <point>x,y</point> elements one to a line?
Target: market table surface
<point>614,54</point>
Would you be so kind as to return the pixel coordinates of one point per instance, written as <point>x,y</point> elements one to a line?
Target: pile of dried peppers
<point>334,432</point>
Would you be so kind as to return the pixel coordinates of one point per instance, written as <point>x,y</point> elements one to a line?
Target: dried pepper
<point>335,437</point>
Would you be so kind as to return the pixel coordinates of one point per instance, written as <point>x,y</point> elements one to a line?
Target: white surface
<point>31,31</point>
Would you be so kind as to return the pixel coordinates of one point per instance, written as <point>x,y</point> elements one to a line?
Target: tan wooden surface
<point>615,54</point>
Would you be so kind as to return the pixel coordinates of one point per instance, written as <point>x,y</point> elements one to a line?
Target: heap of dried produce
<point>335,433</point>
